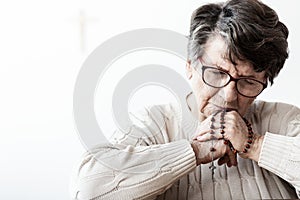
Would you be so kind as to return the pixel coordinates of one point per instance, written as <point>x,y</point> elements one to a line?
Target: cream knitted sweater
<point>155,161</point>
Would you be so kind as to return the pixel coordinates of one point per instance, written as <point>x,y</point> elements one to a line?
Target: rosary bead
<point>250,136</point>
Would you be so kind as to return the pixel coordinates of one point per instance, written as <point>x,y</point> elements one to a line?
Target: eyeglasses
<point>217,78</point>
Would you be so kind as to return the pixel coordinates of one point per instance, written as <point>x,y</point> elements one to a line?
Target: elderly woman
<point>235,50</point>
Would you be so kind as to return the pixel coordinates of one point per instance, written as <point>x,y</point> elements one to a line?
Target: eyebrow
<point>222,69</point>
<point>206,57</point>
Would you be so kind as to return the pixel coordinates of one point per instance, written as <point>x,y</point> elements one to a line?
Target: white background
<point>41,55</point>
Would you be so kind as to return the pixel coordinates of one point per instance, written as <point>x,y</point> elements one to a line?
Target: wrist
<point>196,151</point>
<point>256,148</point>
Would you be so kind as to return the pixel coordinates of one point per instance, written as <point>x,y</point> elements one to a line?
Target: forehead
<point>215,54</point>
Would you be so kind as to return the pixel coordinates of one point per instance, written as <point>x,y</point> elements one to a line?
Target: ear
<point>188,69</point>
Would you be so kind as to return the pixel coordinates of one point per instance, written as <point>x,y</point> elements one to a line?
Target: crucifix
<point>83,20</point>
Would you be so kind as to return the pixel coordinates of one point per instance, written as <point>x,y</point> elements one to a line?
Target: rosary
<point>227,142</point>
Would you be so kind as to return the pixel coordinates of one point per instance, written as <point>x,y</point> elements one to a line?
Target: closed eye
<point>250,82</point>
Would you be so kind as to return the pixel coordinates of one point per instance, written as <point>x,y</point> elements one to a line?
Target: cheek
<point>202,92</point>
<point>200,89</point>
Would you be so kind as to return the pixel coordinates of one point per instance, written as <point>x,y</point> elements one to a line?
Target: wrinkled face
<point>211,99</point>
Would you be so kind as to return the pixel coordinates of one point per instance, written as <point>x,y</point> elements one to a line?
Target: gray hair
<point>251,30</point>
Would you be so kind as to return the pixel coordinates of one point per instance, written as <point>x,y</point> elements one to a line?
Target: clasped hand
<point>235,132</point>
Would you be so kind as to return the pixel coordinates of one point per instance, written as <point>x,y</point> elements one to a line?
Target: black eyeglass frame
<point>232,79</point>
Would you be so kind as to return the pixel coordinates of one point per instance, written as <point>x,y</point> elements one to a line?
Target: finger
<point>208,136</point>
<point>223,160</point>
<point>211,135</point>
<point>229,164</point>
<point>203,134</point>
<point>232,158</point>
<point>232,115</point>
<point>203,128</point>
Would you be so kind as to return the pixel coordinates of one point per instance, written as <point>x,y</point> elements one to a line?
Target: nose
<point>229,92</point>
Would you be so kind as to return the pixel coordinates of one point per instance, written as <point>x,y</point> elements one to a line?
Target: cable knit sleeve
<point>139,165</point>
<point>280,152</point>
<point>281,155</point>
